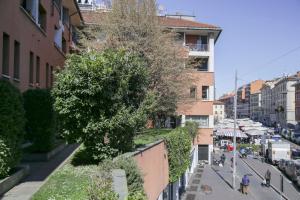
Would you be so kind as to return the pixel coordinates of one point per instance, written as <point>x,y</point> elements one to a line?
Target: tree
<point>101,100</point>
<point>135,26</point>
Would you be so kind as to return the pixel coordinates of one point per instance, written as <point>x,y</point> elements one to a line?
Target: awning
<point>230,133</point>
<point>254,132</point>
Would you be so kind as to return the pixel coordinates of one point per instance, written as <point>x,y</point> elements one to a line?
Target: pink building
<point>197,105</point>
<point>35,37</point>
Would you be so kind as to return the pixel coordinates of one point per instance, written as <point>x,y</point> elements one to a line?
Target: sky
<point>260,38</point>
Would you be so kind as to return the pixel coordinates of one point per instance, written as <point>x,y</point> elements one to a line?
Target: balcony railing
<point>197,47</point>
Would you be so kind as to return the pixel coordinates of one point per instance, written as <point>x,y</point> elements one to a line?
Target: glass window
<point>17,60</point>
<point>37,71</point>
<point>193,92</point>
<point>202,120</point>
<point>5,55</point>
<point>205,92</point>
<point>31,57</point>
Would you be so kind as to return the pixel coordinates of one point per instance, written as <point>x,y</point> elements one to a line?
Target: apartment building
<point>35,37</point>
<point>284,100</point>
<point>219,111</point>
<point>228,100</point>
<point>243,97</point>
<point>199,39</point>
<point>268,102</point>
<point>297,101</point>
<point>255,106</point>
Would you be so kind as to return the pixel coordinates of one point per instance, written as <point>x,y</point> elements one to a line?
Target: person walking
<point>245,184</point>
<point>268,178</point>
<point>223,158</point>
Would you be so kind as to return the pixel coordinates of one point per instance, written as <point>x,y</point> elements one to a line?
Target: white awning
<point>230,133</point>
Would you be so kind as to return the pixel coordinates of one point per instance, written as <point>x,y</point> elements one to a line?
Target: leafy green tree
<point>101,100</point>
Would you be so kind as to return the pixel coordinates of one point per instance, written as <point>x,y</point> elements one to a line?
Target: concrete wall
<point>153,162</point>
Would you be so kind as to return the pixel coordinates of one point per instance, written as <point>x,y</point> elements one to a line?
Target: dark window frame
<point>17,57</point>
<point>5,54</point>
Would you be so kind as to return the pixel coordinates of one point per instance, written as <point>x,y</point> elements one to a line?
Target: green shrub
<point>192,128</point>
<point>11,126</point>
<point>133,174</point>
<point>179,145</point>
<point>41,123</point>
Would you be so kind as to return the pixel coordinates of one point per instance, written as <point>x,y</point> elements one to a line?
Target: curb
<point>262,177</point>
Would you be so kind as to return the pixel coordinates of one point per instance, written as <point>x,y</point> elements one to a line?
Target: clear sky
<point>260,38</point>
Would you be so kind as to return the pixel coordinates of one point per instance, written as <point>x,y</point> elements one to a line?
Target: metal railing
<point>197,47</point>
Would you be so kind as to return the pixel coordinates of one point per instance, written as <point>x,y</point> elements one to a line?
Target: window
<point>5,55</point>
<point>205,92</point>
<point>66,16</point>
<point>51,76</point>
<point>42,17</point>
<point>37,71</point>
<point>30,6</point>
<point>202,65</point>
<point>47,75</point>
<point>64,45</point>
<point>202,120</point>
<point>31,68</point>
<point>16,60</point>
<point>193,91</point>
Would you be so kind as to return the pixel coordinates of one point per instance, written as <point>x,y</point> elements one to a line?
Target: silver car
<point>282,164</point>
<point>292,170</point>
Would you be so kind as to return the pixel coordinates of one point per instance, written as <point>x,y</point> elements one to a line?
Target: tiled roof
<point>183,23</point>
<point>216,102</point>
<point>94,17</point>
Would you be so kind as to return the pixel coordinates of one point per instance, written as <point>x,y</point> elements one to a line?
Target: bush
<point>101,101</point>
<point>41,123</point>
<point>11,126</point>
<point>133,175</point>
<point>192,128</point>
<point>179,145</point>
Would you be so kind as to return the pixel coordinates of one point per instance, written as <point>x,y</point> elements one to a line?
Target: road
<point>256,190</point>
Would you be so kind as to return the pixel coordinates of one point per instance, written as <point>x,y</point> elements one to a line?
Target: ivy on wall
<point>179,146</point>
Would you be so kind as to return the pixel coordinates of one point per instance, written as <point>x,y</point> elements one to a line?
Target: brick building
<point>35,37</point>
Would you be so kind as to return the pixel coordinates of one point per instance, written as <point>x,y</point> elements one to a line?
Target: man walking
<point>268,178</point>
<point>245,184</point>
<point>223,158</point>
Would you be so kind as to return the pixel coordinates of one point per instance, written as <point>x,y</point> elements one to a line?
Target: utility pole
<point>234,136</point>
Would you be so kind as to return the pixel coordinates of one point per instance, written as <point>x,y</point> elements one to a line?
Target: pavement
<point>216,183</point>
<point>39,172</point>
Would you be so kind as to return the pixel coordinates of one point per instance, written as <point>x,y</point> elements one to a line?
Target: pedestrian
<point>245,184</point>
<point>268,178</point>
<point>223,158</point>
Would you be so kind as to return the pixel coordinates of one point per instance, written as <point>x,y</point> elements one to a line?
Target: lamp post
<point>234,136</point>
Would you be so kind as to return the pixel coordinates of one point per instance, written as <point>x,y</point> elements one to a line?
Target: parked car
<point>282,164</point>
<point>292,170</point>
<point>295,154</point>
<point>294,136</point>
<point>284,133</point>
<point>297,140</point>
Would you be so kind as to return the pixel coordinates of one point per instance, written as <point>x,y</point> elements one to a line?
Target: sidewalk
<point>212,186</point>
<point>39,171</point>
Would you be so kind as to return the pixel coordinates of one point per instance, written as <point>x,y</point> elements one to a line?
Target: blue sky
<point>257,39</point>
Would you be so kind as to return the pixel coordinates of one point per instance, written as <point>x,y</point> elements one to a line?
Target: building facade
<point>255,106</point>
<point>243,97</point>
<point>197,105</point>
<point>228,100</point>
<point>284,100</point>
<point>297,101</point>
<point>268,102</point>
<point>219,111</point>
<point>36,36</point>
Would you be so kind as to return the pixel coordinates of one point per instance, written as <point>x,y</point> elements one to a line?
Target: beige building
<point>219,111</point>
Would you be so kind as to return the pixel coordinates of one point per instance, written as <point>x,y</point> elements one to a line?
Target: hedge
<point>41,123</point>
<point>179,145</point>
<point>12,123</point>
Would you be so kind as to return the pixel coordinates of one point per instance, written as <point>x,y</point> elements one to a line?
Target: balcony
<point>197,47</point>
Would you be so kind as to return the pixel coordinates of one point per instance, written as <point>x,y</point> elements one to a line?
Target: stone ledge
<point>9,182</point>
<point>37,157</point>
